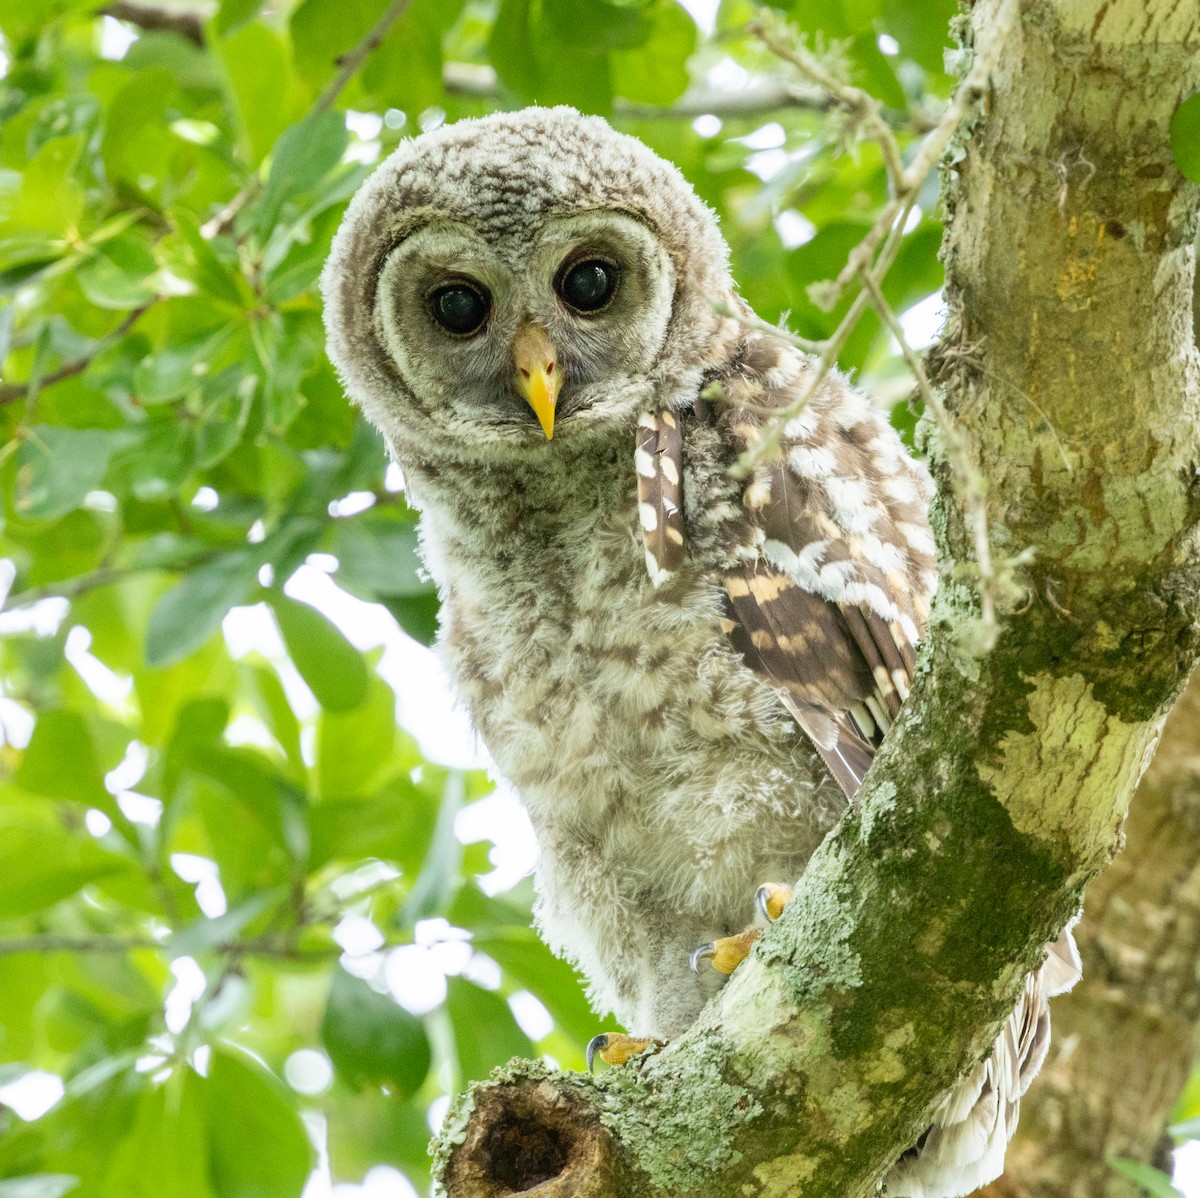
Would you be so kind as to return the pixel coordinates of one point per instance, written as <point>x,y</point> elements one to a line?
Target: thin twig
<point>864,107</point>
<point>353,59</point>
<point>260,946</point>
<point>750,321</point>
<point>768,441</point>
<point>908,181</point>
<point>348,64</point>
<point>14,945</point>
<point>11,392</point>
<point>757,99</point>
<point>102,576</point>
<point>968,479</point>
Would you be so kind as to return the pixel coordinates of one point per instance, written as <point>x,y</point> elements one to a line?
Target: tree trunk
<point>1125,1038</point>
<point>1001,790</point>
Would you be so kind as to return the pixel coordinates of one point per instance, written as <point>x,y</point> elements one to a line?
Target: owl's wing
<point>832,583</point>
<point>831,571</point>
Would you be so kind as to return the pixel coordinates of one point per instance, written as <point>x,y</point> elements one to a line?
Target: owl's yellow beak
<point>538,377</point>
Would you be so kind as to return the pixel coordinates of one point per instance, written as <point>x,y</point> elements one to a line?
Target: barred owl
<point>683,673</point>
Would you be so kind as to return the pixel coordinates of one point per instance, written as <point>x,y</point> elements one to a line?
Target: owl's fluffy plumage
<point>682,675</point>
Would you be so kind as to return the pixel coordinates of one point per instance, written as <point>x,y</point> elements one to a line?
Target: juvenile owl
<point>683,674</point>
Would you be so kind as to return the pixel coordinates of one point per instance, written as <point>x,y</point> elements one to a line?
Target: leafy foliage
<point>220,870</point>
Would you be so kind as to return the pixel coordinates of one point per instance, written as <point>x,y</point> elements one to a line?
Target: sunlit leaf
<point>304,154</point>
<point>258,1147</point>
<point>1154,1182</point>
<point>332,667</point>
<point>485,1033</point>
<point>191,612</point>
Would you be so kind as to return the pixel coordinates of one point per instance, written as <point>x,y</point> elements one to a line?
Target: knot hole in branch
<point>524,1139</point>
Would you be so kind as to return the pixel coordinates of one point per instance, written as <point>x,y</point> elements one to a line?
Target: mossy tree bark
<point>1125,1037</point>
<point>1073,380</point>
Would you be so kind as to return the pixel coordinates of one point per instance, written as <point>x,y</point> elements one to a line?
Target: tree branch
<point>1001,789</point>
<point>479,82</point>
<point>1125,1037</point>
<point>154,19</point>
<point>11,392</point>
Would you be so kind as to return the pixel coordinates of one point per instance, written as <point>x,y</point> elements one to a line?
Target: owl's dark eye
<point>587,286</point>
<point>460,308</point>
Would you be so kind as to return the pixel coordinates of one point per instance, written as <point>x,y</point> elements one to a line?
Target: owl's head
<point>528,275</point>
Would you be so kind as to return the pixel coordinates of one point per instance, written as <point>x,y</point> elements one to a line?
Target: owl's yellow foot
<point>615,1048</point>
<point>771,900</point>
<point>726,954</point>
<point>729,952</point>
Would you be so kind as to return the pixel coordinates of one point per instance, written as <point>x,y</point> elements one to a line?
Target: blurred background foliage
<point>253,928</point>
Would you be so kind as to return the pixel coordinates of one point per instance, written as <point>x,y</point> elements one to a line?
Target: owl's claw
<point>771,900</point>
<point>729,952</point>
<point>726,954</point>
<point>615,1048</point>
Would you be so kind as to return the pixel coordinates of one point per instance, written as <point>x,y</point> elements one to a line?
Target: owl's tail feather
<point>963,1148</point>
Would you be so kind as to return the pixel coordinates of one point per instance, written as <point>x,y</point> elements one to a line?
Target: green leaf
<point>921,29</point>
<point>417,615</point>
<point>177,367</point>
<point>323,30</point>
<point>1185,137</point>
<point>262,687</point>
<point>259,73</point>
<point>354,747</point>
<point>395,825</point>
<point>60,761</point>
<point>50,199</point>
<point>40,864</point>
<point>208,272</point>
<point>1188,1129</point>
<point>371,1040</point>
<point>258,1147</point>
<point>656,72</point>
<point>188,614</point>
<point>57,467</point>
<point>233,13</point>
<point>378,556</point>
<point>119,275</point>
<point>527,960</point>
<point>406,71</point>
<point>136,143</point>
<point>485,1033</point>
<point>333,668</point>
<point>536,67</point>
<point>302,157</point>
<point>164,1154</point>
<point>1156,1183</point>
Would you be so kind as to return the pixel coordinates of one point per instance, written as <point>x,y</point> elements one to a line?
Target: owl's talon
<point>771,900</point>
<point>726,954</point>
<point>615,1048</point>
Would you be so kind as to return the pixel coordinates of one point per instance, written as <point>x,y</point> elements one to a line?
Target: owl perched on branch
<point>683,672</point>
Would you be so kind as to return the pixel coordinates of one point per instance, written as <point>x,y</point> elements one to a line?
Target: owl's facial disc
<point>524,338</point>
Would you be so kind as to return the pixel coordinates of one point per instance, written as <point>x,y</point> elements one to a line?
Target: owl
<point>684,672</point>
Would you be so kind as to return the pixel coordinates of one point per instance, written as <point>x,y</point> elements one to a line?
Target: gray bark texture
<point>1125,1037</point>
<point>1072,378</point>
